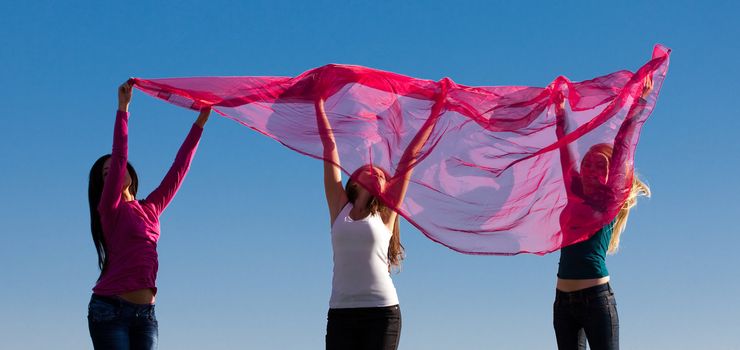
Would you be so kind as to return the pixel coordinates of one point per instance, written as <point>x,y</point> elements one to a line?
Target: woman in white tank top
<point>363,309</point>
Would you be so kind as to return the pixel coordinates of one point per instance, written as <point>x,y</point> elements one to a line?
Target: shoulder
<point>343,212</point>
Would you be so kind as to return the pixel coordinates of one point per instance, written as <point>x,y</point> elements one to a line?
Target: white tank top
<point>361,277</point>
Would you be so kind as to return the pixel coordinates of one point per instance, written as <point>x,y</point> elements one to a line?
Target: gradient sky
<point>245,255</point>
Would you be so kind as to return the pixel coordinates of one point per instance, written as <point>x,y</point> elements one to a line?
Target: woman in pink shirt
<point>125,231</point>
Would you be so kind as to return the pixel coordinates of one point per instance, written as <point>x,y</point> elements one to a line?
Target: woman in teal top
<point>585,308</point>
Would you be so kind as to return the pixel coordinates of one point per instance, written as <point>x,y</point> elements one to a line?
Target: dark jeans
<point>589,313</point>
<point>117,324</point>
<point>371,328</point>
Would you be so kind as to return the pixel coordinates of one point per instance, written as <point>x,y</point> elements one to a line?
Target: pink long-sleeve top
<point>131,229</point>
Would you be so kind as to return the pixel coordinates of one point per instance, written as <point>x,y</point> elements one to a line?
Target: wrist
<point>201,122</point>
<point>123,107</point>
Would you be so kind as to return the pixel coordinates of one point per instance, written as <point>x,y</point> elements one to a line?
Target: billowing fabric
<point>489,178</point>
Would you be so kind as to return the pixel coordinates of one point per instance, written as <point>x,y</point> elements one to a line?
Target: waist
<point>121,279</point>
<point>368,311</point>
<point>362,294</point>
<point>141,296</point>
<point>570,285</point>
<point>584,294</point>
<point>120,302</point>
<point>360,271</point>
<point>575,266</point>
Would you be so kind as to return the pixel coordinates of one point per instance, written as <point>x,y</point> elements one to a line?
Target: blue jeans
<point>589,313</point>
<point>369,328</point>
<point>117,324</point>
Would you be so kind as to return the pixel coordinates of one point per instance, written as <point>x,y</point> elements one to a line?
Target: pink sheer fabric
<point>492,176</point>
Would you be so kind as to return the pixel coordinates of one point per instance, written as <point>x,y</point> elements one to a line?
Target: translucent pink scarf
<point>499,174</point>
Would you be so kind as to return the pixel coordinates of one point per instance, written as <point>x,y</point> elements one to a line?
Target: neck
<point>361,202</point>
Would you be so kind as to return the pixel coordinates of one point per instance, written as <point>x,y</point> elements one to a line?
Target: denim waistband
<point>117,301</point>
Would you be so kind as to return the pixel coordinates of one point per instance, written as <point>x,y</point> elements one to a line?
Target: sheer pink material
<point>490,179</point>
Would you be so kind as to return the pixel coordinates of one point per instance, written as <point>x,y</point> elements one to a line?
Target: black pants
<point>589,313</point>
<point>372,328</point>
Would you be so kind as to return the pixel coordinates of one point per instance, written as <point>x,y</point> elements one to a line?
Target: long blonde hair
<point>638,188</point>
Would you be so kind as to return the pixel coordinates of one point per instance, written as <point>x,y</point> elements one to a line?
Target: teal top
<point>587,259</point>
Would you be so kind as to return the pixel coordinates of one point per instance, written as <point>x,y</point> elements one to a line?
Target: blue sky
<point>245,255</point>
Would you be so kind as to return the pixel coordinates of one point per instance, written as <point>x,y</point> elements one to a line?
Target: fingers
<point>647,86</point>
<point>125,87</point>
<point>124,95</point>
<point>559,101</point>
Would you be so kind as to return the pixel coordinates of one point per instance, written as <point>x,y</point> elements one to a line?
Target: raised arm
<point>619,167</point>
<point>163,194</point>
<point>336,198</point>
<point>115,176</point>
<point>567,155</point>
<point>399,183</point>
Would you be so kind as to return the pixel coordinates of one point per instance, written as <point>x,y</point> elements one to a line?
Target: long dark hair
<point>375,205</point>
<point>94,192</point>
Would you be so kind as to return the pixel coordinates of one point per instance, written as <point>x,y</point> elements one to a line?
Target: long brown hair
<point>376,206</point>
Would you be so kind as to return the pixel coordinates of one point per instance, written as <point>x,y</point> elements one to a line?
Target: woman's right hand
<point>124,96</point>
<point>559,102</point>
